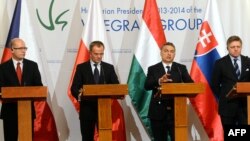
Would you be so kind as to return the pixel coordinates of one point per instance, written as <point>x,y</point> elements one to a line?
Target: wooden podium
<point>105,93</point>
<point>24,96</point>
<point>180,92</point>
<point>242,89</point>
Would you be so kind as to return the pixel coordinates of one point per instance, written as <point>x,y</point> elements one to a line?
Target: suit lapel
<point>231,69</point>
<point>161,69</point>
<point>175,72</point>
<point>90,74</point>
<point>245,67</point>
<point>12,71</point>
<point>102,70</point>
<point>25,71</point>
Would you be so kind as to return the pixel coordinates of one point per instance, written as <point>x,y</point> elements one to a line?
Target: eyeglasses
<point>20,48</point>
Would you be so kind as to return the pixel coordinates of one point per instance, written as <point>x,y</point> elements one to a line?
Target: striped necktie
<point>236,68</point>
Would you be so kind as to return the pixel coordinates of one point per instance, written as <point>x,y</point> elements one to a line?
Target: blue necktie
<point>96,74</point>
<point>236,68</point>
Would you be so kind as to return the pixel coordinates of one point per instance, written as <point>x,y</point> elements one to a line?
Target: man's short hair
<point>232,39</point>
<point>169,44</point>
<point>95,43</point>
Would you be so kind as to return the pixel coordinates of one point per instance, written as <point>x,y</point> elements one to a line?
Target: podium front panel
<point>28,92</point>
<point>105,90</point>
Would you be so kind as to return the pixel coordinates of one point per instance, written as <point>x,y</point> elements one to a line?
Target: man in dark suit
<point>161,109</point>
<point>94,71</point>
<point>227,71</point>
<point>29,76</point>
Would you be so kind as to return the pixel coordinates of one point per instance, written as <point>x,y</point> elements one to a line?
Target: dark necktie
<point>168,69</point>
<point>96,74</point>
<point>19,72</point>
<point>236,68</point>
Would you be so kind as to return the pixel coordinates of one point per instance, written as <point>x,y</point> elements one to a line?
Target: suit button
<point>169,108</point>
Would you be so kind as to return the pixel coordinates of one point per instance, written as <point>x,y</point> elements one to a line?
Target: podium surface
<point>242,89</point>
<point>105,93</point>
<point>105,90</point>
<point>24,97</point>
<point>180,92</point>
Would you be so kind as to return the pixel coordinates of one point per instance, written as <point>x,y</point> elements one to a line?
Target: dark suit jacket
<point>83,76</point>
<point>8,77</point>
<point>178,73</point>
<point>223,80</point>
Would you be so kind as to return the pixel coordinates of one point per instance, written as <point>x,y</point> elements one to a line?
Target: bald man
<point>29,76</point>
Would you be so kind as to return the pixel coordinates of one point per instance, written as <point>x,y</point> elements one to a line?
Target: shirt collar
<point>232,58</point>
<point>92,63</point>
<point>164,64</point>
<point>15,61</point>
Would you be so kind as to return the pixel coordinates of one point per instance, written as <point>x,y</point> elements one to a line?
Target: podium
<point>180,92</point>
<point>104,93</point>
<point>242,89</point>
<point>24,97</point>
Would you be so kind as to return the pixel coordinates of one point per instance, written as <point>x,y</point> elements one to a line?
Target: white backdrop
<point>61,43</point>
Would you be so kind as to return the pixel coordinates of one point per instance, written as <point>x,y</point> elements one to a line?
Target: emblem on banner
<point>207,41</point>
<point>51,25</point>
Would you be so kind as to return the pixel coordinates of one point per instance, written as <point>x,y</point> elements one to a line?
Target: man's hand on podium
<point>80,94</point>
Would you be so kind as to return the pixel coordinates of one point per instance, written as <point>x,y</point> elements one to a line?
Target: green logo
<point>51,25</point>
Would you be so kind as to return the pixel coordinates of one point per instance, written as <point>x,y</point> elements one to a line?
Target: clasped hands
<point>165,78</point>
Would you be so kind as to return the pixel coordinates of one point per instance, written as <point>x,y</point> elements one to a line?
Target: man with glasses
<point>16,71</point>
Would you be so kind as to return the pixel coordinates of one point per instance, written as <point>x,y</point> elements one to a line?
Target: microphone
<point>102,71</point>
<point>180,74</point>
